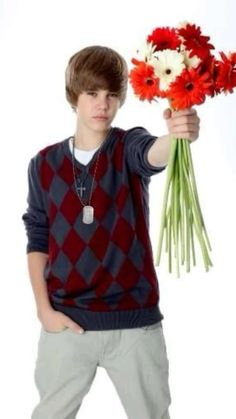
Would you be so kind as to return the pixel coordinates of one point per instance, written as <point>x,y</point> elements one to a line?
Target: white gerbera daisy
<point>190,62</point>
<point>146,51</point>
<point>183,24</point>
<point>168,64</point>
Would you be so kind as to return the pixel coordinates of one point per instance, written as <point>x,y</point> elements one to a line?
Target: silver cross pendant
<point>81,189</point>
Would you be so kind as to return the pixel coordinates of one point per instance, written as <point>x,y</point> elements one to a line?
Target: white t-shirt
<point>83,156</point>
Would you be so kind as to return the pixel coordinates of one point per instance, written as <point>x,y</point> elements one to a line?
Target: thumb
<point>73,325</point>
<point>167,113</point>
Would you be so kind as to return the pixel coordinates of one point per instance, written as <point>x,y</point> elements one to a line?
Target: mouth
<point>100,118</point>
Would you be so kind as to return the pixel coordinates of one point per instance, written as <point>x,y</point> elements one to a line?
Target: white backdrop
<point>36,40</point>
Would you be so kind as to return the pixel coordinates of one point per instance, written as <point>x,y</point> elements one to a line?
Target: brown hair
<point>96,67</point>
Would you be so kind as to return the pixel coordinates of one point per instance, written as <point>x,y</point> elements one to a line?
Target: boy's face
<point>97,109</point>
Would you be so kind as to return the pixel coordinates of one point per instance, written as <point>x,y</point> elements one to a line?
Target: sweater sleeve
<point>137,143</point>
<point>35,218</point>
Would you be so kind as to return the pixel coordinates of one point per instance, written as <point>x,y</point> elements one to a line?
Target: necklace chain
<point>74,168</point>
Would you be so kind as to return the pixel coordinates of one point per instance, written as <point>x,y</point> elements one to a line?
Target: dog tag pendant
<point>88,212</point>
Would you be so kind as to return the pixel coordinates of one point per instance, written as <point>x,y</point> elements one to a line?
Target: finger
<point>184,127</point>
<point>74,326</point>
<point>186,135</point>
<point>190,136</point>
<point>184,112</point>
<point>184,117</point>
<point>185,120</point>
<point>167,113</point>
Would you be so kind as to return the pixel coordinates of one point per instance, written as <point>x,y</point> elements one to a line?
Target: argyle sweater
<point>102,274</point>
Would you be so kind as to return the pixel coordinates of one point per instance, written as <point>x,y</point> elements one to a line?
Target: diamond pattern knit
<point>102,274</point>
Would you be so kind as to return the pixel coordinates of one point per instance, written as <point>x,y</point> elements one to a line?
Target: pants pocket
<point>153,326</point>
<point>47,332</point>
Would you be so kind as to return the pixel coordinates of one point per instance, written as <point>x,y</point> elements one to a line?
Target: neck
<point>89,140</point>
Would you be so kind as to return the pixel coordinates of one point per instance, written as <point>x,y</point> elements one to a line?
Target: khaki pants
<point>135,360</point>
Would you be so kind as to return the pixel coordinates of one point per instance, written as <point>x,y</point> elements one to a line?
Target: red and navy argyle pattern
<point>108,265</point>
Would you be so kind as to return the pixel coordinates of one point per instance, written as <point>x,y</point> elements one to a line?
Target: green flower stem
<point>196,205</point>
<point>195,191</point>
<point>166,192</point>
<point>192,241</point>
<point>187,207</point>
<point>188,228</point>
<point>196,218</point>
<point>169,241</point>
<point>173,202</point>
<point>177,213</point>
<point>166,231</point>
<point>174,206</point>
<point>182,204</point>
<point>172,216</point>
<point>193,208</point>
<point>182,238</point>
<point>181,215</point>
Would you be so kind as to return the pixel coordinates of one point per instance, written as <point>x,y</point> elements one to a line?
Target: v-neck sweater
<point>84,156</point>
<point>102,274</point>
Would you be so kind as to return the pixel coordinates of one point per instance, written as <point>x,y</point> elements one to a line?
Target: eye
<point>91,93</point>
<point>113,94</point>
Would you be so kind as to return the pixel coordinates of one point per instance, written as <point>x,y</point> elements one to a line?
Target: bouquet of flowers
<point>178,64</point>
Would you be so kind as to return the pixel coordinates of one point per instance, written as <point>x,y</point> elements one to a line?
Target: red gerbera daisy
<point>135,61</point>
<point>190,88</point>
<point>233,57</point>
<point>226,78</point>
<point>196,43</point>
<point>210,66</point>
<point>143,81</point>
<point>164,38</point>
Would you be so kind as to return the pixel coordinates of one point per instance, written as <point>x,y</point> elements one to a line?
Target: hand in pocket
<point>54,321</point>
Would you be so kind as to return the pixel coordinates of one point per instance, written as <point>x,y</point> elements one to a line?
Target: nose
<point>103,102</point>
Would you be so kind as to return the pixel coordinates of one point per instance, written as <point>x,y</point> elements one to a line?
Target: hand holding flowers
<point>178,64</point>
<point>182,124</point>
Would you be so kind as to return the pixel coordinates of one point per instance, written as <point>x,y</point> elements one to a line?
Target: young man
<point>89,251</point>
